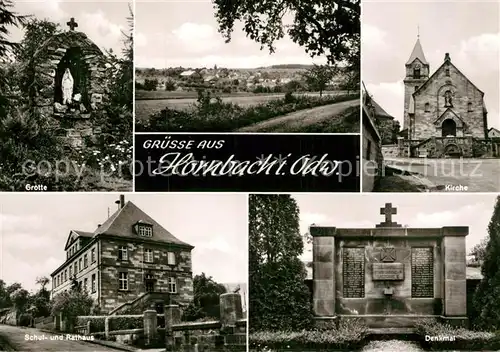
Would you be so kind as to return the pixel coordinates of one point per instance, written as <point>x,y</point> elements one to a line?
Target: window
<point>93,283</point>
<point>427,107</point>
<point>447,71</point>
<point>70,271</point>
<point>56,282</point>
<point>85,261</point>
<point>369,150</point>
<point>469,107</point>
<point>80,264</point>
<point>123,281</point>
<point>85,284</point>
<point>171,258</point>
<point>172,285</point>
<point>65,275</point>
<point>122,253</point>
<point>145,230</point>
<point>416,72</point>
<point>416,88</point>
<point>92,256</point>
<point>75,267</point>
<point>148,255</point>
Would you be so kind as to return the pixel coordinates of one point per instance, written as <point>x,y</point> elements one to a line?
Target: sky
<point>34,229</point>
<point>468,30</point>
<point>103,22</point>
<point>414,210</point>
<point>184,33</point>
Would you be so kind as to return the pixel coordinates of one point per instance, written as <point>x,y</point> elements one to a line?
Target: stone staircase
<point>141,303</point>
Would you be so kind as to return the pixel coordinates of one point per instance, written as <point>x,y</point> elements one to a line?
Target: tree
<point>72,304</point>
<point>279,298</point>
<point>318,77</point>
<point>479,250</point>
<point>206,299</point>
<point>170,85</point>
<point>322,27</point>
<point>20,298</point>
<point>40,302</point>
<point>487,295</point>
<point>8,18</point>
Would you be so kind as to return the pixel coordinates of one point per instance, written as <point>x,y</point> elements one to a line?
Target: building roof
<point>121,223</point>
<point>493,129</point>
<point>417,53</point>
<point>379,112</point>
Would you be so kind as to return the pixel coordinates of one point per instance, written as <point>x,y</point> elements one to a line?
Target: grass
<point>220,116</point>
<point>163,94</point>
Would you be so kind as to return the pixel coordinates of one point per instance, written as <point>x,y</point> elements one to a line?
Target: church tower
<point>417,72</point>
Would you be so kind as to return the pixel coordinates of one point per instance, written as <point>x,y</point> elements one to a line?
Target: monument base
<point>377,321</point>
<point>462,322</point>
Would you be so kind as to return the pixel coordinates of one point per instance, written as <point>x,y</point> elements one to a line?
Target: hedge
<point>462,339</point>
<point>348,335</point>
<point>125,322</point>
<point>96,322</point>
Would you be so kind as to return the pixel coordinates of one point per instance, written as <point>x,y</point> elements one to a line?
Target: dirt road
<point>28,339</point>
<point>296,121</point>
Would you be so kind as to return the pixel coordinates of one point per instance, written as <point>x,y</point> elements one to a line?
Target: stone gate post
<point>150,326</point>
<point>230,310</point>
<point>172,316</point>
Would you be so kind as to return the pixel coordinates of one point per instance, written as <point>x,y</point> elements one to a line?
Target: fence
<point>228,332</point>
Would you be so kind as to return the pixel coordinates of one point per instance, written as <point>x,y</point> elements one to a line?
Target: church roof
<point>417,53</point>
<point>121,224</point>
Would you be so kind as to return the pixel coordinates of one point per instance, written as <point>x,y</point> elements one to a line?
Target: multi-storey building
<point>128,257</point>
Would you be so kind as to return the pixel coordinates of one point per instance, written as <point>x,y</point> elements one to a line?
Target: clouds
<point>189,37</point>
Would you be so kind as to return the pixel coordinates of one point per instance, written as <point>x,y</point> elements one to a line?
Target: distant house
<point>210,78</point>
<point>187,73</point>
<point>493,133</point>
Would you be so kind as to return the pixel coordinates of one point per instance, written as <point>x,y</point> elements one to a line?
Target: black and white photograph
<point>111,272</point>
<point>248,66</point>
<point>374,272</point>
<point>66,95</point>
<point>431,78</point>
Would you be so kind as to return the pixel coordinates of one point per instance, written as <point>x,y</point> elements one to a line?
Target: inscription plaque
<point>388,271</point>
<point>353,272</point>
<point>422,272</point>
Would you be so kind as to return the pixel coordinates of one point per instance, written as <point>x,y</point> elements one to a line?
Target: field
<point>148,103</point>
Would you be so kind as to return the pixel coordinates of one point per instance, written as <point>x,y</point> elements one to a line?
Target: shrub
<point>25,320</point>
<point>455,337</point>
<point>96,323</point>
<point>350,334</point>
<point>211,114</point>
<point>126,322</point>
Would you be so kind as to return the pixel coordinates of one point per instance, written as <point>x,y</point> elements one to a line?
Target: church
<point>444,113</point>
<point>127,263</point>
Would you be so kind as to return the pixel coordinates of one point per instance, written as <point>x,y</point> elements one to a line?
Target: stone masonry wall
<point>137,269</point>
<point>463,93</point>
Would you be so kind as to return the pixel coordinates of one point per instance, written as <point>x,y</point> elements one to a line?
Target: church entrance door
<point>449,128</point>
<point>452,151</point>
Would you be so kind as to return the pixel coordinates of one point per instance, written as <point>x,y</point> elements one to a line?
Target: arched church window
<point>469,107</point>
<point>448,99</point>
<point>416,72</point>
<point>427,107</point>
<point>449,128</point>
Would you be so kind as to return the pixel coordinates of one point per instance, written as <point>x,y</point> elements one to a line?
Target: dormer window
<point>143,230</point>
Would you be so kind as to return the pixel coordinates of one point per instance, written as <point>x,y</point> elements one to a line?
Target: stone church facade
<point>444,113</point>
<point>130,261</point>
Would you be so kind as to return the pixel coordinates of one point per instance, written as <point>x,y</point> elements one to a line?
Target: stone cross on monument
<point>388,211</point>
<point>72,24</point>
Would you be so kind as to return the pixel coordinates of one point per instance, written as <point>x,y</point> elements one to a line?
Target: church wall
<point>463,94</point>
<point>371,154</point>
<point>137,268</point>
<point>374,301</point>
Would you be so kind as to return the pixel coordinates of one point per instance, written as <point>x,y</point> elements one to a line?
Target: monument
<point>73,74</point>
<point>389,275</point>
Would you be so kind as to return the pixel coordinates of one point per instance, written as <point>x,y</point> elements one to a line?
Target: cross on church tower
<point>72,24</point>
<point>388,211</point>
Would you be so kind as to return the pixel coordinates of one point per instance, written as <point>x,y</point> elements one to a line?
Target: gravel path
<point>296,120</point>
<point>392,346</point>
